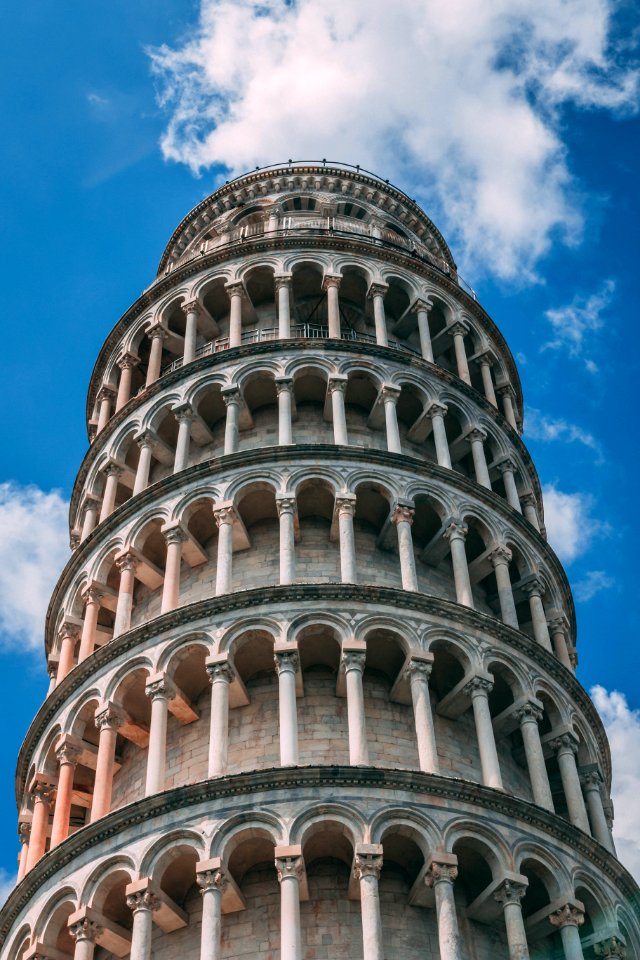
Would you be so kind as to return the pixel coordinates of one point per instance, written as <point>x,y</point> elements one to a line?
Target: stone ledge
<point>360,779</point>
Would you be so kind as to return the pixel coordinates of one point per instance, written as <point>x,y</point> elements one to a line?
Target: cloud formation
<point>575,325</point>
<point>458,102</point>
<point>539,426</point>
<point>623,730</point>
<point>594,582</point>
<point>570,523</point>
<point>33,550</point>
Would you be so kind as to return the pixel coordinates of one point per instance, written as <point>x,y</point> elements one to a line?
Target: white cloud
<point>623,730</point>
<point>458,102</point>
<point>570,523</point>
<point>33,551</point>
<point>593,582</point>
<point>538,426</point>
<point>575,326</point>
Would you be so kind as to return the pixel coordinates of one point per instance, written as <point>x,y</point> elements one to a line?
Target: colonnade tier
<point>452,690</point>
<point>287,870</point>
<point>313,294</point>
<point>212,407</point>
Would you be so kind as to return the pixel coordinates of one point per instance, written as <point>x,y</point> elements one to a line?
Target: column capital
<point>402,514</point>
<point>420,665</point>
<point>456,529</point>
<point>346,504</point>
<point>458,328</point>
<point>529,710</point>
<point>367,860</point>
<point>159,686</point>
<point>42,788</point>
<point>109,716</point>
<point>231,395</point>
<point>389,392</point>
<point>476,434</point>
<point>143,900</point>
<point>127,361</point>
<point>331,280</point>
<point>127,560</point>
<point>24,831</point>
<point>68,749</point>
<point>527,499</point>
<point>145,439</point>
<point>377,290</point>
<point>224,514</point>
<point>283,384</point>
<point>173,533</point>
<point>441,868</point>
<point>235,289</point>
<point>211,875</point>
<point>567,916</point>
<point>510,891</point>
<point>220,667</point>
<point>193,306</point>
<point>286,659</point>
<point>484,358</point>
<point>92,593</point>
<point>565,743</point>
<point>505,465</point>
<point>156,331</point>
<point>281,280</point>
<point>85,929</point>
<point>591,779</point>
<point>113,469</point>
<point>436,409</point>
<point>611,947</point>
<point>478,687</point>
<point>289,863</point>
<point>106,392</point>
<point>184,412</point>
<point>353,657</point>
<point>338,384</point>
<point>558,623</point>
<point>500,555</point>
<point>285,504</point>
<point>420,304</point>
<point>69,629</point>
<point>533,586</point>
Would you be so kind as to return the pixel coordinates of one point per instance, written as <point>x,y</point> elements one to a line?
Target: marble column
<point>437,412</point>
<point>346,508</point>
<point>68,638</point>
<point>24,833</point>
<point>184,416</point>
<point>90,517</point>
<point>174,538</point>
<point>332,284</point>
<point>160,689</point>
<point>456,533</point>
<point>232,399</point>
<point>221,673</point>
<point>390,396</point>
<point>529,716</point>
<point>236,295</point>
<point>85,933</point>
<point>506,393</point>
<point>478,689</point>
<point>286,662</point>
<point>529,509</point>
<point>286,507</point>
<point>591,781</point>
<point>224,517</point>
<point>458,331</point>
<point>402,518</point>
<point>109,719</point>
<point>282,286</point>
<point>509,895</point>
<point>127,363</point>
<point>441,875</point>
<point>105,398</point>
<point>112,474</point>
<point>487,380</point>
<point>558,630</point>
<point>41,791</point>
<point>534,590</point>
<point>157,334</point>
<point>126,563</point>
<point>566,747</point>
<point>284,389</point>
<point>500,558</point>
<point>212,883</point>
<point>353,662</point>
<point>476,438</point>
<point>92,595</point>
<point>418,672</point>
<point>192,312</point>
<point>507,469</point>
<point>67,754</point>
<point>421,308</point>
<point>367,866</point>
<point>568,920</point>
<point>290,872</point>
<point>338,388</point>
<point>377,293</point>
<point>145,442</point>
<point>142,904</point>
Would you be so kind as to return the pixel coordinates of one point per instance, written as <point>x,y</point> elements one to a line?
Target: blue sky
<point>528,172</point>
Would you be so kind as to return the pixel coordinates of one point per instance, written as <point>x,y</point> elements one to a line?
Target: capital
<point>346,505</point>
<point>285,505</point>
<point>281,280</point>
<point>224,515</point>
<point>353,660</point>
<point>113,470</point>
<point>403,514</point>
<point>418,667</point>
<point>231,395</point>
<point>478,687</point>
<point>160,687</point>
<point>440,872</point>
<point>566,743</point>
<point>377,290</point>
<point>421,306</point>
<point>106,392</point>
<point>67,751</point>
<point>235,289</point>
<point>337,385</point>
<point>127,561</point>
<point>477,435</point>
<point>591,780</point>
<point>611,947</point>
<point>41,789</point>
<point>157,332</point>
<point>68,629</point>
<point>220,668</point>
<point>193,306</point>
<point>212,880</point>
<point>283,385</point>
<point>331,280</point>
<point>367,861</point>
<point>389,393</point>
<point>24,831</point>
<point>506,465</point>
<point>286,661</point>
<point>173,534</point>
<point>184,413</point>
<point>529,711</point>
<point>128,360</point>
<point>458,329</point>
<point>289,867</point>
<point>145,439</point>
<point>109,717</point>
<point>500,555</point>
<point>558,624</point>
<point>456,529</point>
<point>143,900</point>
<point>436,409</point>
<point>510,891</point>
<point>567,916</point>
<point>534,587</point>
<point>92,594</point>
<point>86,929</point>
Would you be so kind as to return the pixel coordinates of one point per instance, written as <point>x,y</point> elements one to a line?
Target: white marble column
<point>236,295</point>
<point>529,716</point>
<point>126,563</point>
<point>534,589</point>
<point>145,443</point>
<point>224,517</point>
<point>485,364</point>
<point>85,933</point>
<point>184,416</point>
<point>109,719</point>
<point>568,920</point>
<point>157,334</point>
<point>91,596</point>
<point>478,689</point>
<point>418,672</point>
<point>528,503</point>
<point>212,881</point>
<point>24,833</point>
<point>41,791</point>
<point>332,284</point>
<point>566,747</point>
<point>441,875</point>
<point>367,866</point>
<point>346,508</point>
<point>284,389</point>
<point>282,286</point>
<point>390,396</point>
<point>286,662</point>
<point>290,872</point>
<point>127,363</point>
<point>506,393</point>
<point>90,518</point>
<point>421,308</point>
<point>67,754</point>
<point>476,438</point>
<point>558,630</point>
<point>437,412</point>
<point>377,293</point>
<point>509,894</point>
<point>105,398</point>
<point>353,662</point>
<point>286,507</point>
<point>174,538</point>
<point>232,399</point>
<point>192,312</point>
<point>402,517</point>
<point>507,468</point>
<point>338,388</point>
<point>221,673</point>
<point>67,639</point>
<point>456,533</point>
<point>160,689</point>
<point>142,904</point>
<point>458,331</point>
<point>500,558</point>
<point>112,473</point>
<point>591,781</point>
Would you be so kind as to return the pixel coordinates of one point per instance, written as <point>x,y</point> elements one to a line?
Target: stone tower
<point>312,659</point>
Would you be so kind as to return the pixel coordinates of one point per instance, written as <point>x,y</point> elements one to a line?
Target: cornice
<point>341,595</point>
<point>264,243</point>
<point>357,779</point>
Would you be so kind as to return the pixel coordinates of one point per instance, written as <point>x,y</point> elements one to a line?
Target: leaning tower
<point>312,659</point>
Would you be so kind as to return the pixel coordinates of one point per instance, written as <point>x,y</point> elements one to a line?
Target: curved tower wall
<point>312,659</point>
